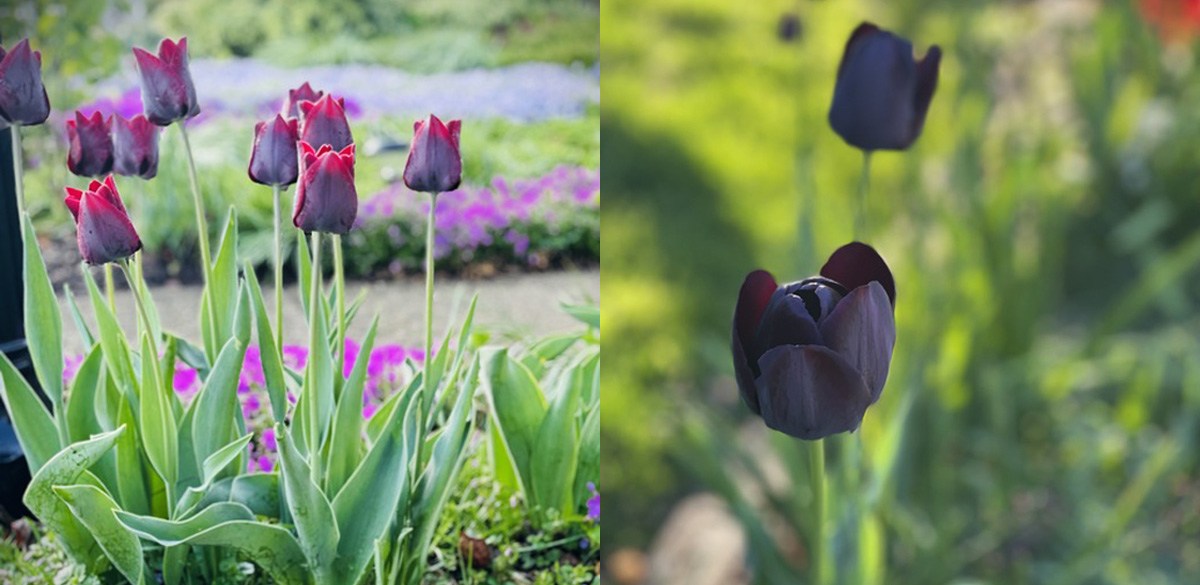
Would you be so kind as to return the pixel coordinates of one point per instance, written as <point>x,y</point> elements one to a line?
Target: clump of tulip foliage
<point>137,480</point>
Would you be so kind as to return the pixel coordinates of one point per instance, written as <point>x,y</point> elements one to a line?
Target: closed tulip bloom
<point>811,356</point>
<point>273,159</point>
<point>91,148</point>
<point>23,99</point>
<point>168,93</point>
<point>324,122</point>
<point>102,225</point>
<point>304,93</point>
<point>326,200</point>
<point>434,163</point>
<point>882,91</point>
<point>135,147</point>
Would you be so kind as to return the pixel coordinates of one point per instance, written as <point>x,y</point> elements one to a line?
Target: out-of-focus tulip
<point>23,99</point>
<point>102,225</point>
<point>168,93</point>
<point>304,93</point>
<point>811,356</point>
<point>135,147</point>
<point>273,159</point>
<point>326,200</point>
<point>882,91</point>
<point>91,148</point>
<point>324,122</point>
<point>434,163</point>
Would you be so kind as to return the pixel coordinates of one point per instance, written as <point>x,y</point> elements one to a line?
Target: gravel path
<point>510,305</point>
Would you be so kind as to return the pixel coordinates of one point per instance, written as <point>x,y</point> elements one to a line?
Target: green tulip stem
<point>430,384</point>
<point>339,283</point>
<point>201,227</point>
<point>18,170</point>
<point>276,195</point>
<point>816,478</point>
<point>864,188</point>
<point>109,287</point>
<point>314,306</point>
<point>129,271</point>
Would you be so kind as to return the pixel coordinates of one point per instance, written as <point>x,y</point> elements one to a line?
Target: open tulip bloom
<point>324,122</point>
<point>23,99</point>
<point>304,93</point>
<point>135,147</point>
<point>882,91</point>
<point>91,148</point>
<point>168,93</point>
<point>326,200</point>
<point>102,225</point>
<point>811,356</point>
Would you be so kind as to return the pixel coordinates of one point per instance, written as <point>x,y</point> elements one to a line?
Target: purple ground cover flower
<point>593,503</point>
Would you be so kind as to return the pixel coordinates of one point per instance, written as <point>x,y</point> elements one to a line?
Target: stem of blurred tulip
<point>864,188</point>
<point>314,313</point>
<point>816,479</point>
<point>276,194</point>
<point>430,384</point>
<point>339,283</point>
<point>18,170</point>
<point>201,227</point>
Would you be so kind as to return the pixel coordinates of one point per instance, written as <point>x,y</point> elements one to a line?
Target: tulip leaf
<point>95,509</point>
<point>112,339</point>
<point>131,473</point>
<point>217,404</point>
<point>272,361</point>
<point>309,507</point>
<point>34,425</point>
<point>222,289</point>
<point>156,418</point>
<point>587,314</point>
<point>304,270</point>
<point>89,387</point>
<point>43,322</point>
<point>85,332</point>
<point>176,532</point>
<point>518,408</point>
<point>193,356</point>
<point>545,350</point>
<point>318,384</point>
<point>589,455</point>
<point>243,315</point>
<point>378,421</point>
<point>148,303</point>
<point>257,491</point>
<point>502,463</point>
<point>345,441</point>
<point>221,459</point>
<point>555,457</point>
<point>189,467</point>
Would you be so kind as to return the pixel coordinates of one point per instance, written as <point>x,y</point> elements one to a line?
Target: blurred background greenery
<point>1040,420</point>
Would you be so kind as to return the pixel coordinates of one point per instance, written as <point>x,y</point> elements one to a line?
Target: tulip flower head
<point>23,99</point>
<point>102,225</point>
<point>434,162</point>
<point>168,93</point>
<point>304,93</point>
<point>882,92</point>
<point>811,356</point>
<point>91,145</point>
<point>326,200</point>
<point>324,122</point>
<point>135,147</point>
<point>273,158</point>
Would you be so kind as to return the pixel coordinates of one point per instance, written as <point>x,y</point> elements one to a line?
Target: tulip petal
<point>927,78</point>
<point>104,233</point>
<point>23,97</point>
<point>72,201</point>
<point>857,264</point>
<point>752,302</point>
<point>862,330</point>
<point>810,392</point>
<point>786,321</point>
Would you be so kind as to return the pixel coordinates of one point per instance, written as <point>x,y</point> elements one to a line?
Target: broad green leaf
<point>400,399</point>
<point>272,360</point>
<point>589,456</point>
<point>545,350</point>
<point>304,270</point>
<point>192,356</point>
<point>318,383</point>
<point>270,547</point>
<point>89,387</point>
<point>95,509</point>
<point>189,467</point>
<point>34,425</point>
<point>112,339</point>
<point>69,467</point>
<point>176,532</point>
<point>587,314</point>
<point>242,316</point>
<point>148,301</point>
<point>518,407</point>
<point>85,332</point>
<point>223,288</point>
<point>43,323</point>
<point>174,563</point>
<point>309,507</point>
<point>257,491</point>
<point>556,454</point>
<point>166,368</point>
<point>345,441</point>
<point>157,419</point>
<point>217,403</point>
<point>221,459</point>
<point>503,467</point>
<point>132,475</point>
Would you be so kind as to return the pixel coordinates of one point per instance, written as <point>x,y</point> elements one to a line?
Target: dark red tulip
<point>324,122</point>
<point>882,91</point>
<point>304,93</point>
<point>135,147</point>
<point>102,225</point>
<point>23,99</point>
<point>434,163</point>
<point>168,93</point>
<point>811,356</point>
<point>273,159</point>
<point>326,200</point>
<point>91,150</point>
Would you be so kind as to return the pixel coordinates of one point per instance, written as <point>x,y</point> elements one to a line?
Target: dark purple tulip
<point>811,356</point>
<point>324,122</point>
<point>304,93</point>
<point>273,159</point>
<point>168,93</point>
<point>102,225</point>
<point>23,99</point>
<point>326,200</point>
<point>882,92</point>
<point>135,147</point>
<point>434,163</point>
<point>91,152</point>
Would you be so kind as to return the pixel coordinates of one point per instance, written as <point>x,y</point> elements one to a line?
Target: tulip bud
<point>91,145</point>
<point>811,356</point>
<point>102,225</point>
<point>23,99</point>
<point>882,92</point>
<point>434,163</point>
<point>324,122</point>
<point>326,200</point>
<point>304,93</point>
<point>168,93</point>
<point>273,159</point>
<point>135,147</point>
